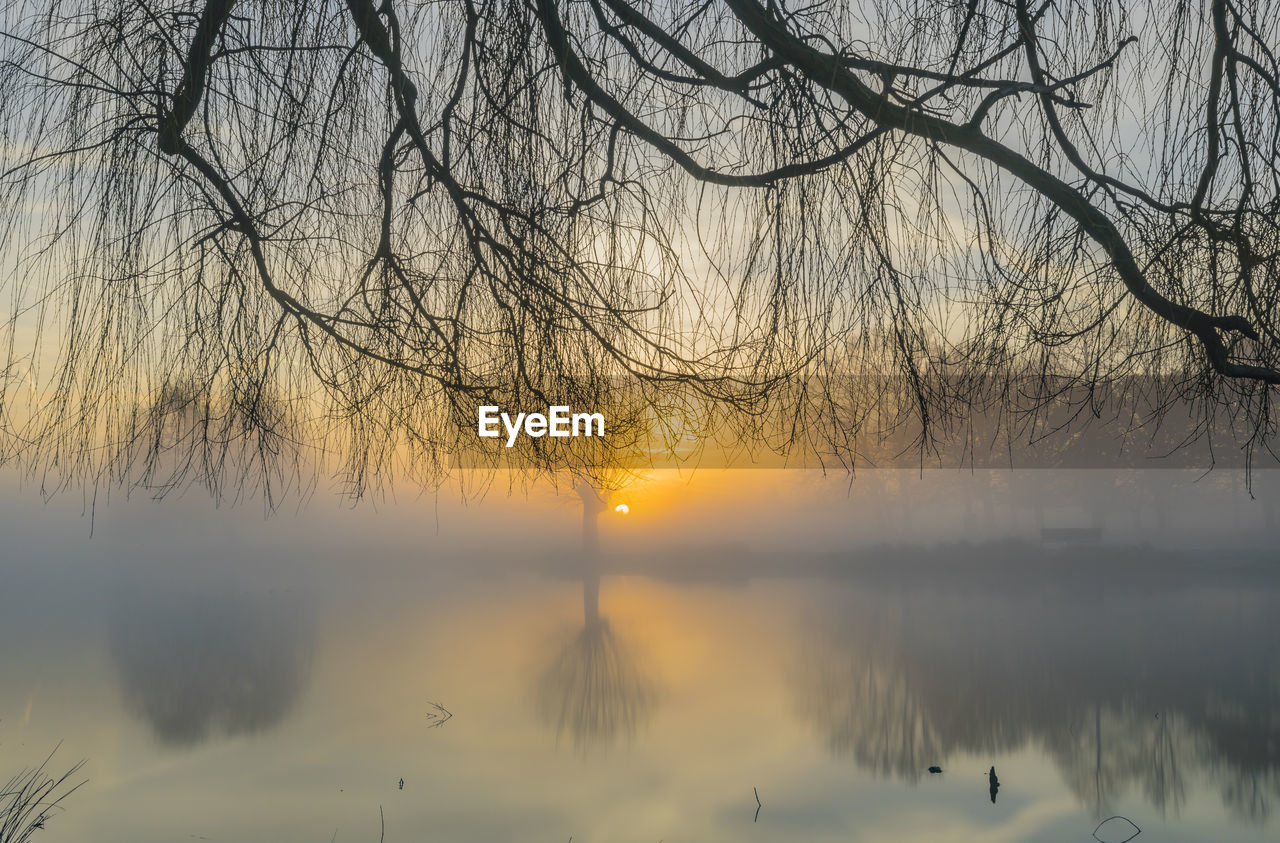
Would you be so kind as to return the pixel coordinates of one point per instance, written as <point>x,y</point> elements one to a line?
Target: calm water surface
<point>229,678</point>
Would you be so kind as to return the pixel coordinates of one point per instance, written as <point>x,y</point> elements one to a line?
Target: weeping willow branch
<point>337,227</point>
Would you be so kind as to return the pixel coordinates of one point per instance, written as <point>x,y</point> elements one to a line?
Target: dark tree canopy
<point>269,223</point>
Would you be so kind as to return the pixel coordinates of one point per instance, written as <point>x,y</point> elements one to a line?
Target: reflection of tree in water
<point>595,690</point>
<point>194,666</point>
<point>1122,690</point>
<point>868,712</point>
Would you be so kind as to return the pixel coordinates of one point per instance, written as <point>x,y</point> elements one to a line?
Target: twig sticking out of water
<point>1136,830</point>
<point>438,717</point>
<point>758,805</point>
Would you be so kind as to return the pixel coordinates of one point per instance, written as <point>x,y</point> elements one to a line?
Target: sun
<point>622,509</point>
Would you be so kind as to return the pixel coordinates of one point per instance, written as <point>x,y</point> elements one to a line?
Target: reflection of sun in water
<point>622,509</point>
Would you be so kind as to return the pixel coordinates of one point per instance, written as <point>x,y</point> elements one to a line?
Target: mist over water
<point>1104,640</point>
<point>925,359</point>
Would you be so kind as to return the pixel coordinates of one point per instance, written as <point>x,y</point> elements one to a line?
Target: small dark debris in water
<point>994,781</point>
<point>935,769</point>
<point>1113,827</point>
<point>402,784</point>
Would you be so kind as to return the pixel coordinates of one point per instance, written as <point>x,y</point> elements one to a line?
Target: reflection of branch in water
<point>595,691</point>
<point>864,702</point>
<point>873,716</point>
<point>1098,759</point>
<point>1164,785</point>
<point>1250,793</point>
<point>196,665</point>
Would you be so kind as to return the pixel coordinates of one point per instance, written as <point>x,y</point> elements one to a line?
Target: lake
<point>429,669</point>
